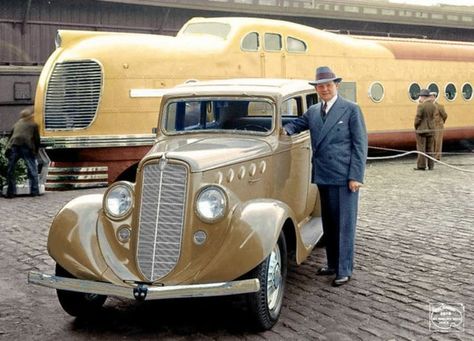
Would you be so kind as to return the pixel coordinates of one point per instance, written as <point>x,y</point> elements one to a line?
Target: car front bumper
<point>142,291</point>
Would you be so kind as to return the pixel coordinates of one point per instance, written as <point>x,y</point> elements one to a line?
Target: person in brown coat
<point>439,120</point>
<point>24,143</point>
<point>424,126</point>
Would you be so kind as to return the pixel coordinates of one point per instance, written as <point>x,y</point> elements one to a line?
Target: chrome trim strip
<point>74,185</point>
<point>98,141</point>
<point>139,93</point>
<point>153,292</point>
<point>97,169</point>
<point>72,177</point>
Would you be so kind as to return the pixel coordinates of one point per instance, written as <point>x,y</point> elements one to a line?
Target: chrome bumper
<point>141,291</point>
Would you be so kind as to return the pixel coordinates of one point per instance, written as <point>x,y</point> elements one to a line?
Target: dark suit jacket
<point>424,119</point>
<point>339,144</point>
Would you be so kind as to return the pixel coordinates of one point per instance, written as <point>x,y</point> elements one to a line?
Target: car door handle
<point>252,181</point>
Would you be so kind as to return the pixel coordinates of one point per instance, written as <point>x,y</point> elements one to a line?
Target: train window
<point>376,92</point>
<point>433,87</point>
<point>250,42</point>
<point>414,91</point>
<point>272,42</point>
<point>467,91</point>
<point>220,30</point>
<point>450,92</point>
<point>295,45</point>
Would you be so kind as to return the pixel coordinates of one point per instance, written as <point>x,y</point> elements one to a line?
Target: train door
<point>273,56</point>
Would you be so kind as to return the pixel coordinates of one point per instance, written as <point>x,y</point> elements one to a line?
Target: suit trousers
<point>339,214</point>
<point>438,143</point>
<point>424,144</point>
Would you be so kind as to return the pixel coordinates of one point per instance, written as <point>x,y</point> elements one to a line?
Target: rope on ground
<point>403,153</point>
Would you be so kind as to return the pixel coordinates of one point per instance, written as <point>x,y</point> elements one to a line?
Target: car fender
<point>72,239</point>
<point>254,230</point>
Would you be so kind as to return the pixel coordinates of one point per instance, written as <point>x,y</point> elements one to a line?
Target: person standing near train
<point>440,117</point>
<point>23,144</point>
<point>339,145</point>
<point>424,127</point>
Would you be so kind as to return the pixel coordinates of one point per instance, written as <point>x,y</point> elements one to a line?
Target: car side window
<point>291,107</point>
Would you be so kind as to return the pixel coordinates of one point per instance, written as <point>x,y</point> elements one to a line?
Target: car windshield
<point>229,115</point>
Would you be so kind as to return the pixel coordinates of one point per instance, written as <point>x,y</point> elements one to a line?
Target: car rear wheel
<point>265,305</point>
<point>76,303</point>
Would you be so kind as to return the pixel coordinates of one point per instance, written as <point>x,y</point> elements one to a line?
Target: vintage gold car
<point>220,203</point>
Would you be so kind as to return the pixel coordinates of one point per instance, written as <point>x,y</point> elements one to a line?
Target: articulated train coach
<point>99,93</point>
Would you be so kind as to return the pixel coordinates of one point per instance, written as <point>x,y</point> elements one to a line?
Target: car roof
<point>241,86</point>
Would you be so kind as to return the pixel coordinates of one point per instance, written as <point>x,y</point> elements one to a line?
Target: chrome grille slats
<point>161,218</point>
<point>73,94</point>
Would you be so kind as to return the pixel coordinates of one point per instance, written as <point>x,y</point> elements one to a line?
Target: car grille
<point>73,95</point>
<point>161,218</point>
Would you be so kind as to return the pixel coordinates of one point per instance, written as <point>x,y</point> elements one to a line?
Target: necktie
<point>323,111</point>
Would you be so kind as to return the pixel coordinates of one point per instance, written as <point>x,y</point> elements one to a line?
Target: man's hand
<point>354,185</point>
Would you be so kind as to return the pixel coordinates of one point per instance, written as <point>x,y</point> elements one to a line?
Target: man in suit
<point>440,117</point>
<point>339,146</point>
<point>424,126</point>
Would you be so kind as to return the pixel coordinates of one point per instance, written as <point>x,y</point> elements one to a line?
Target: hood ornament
<point>162,163</point>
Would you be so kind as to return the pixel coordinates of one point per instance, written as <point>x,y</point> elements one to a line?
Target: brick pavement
<point>413,248</point>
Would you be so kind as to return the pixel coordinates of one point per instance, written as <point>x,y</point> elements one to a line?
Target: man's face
<point>326,91</point>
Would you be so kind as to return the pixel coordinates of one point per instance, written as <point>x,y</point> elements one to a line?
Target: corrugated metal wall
<point>28,29</point>
<point>27,32</point>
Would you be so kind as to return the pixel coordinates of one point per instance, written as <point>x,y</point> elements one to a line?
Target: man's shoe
<point>416,168</point>
<point>340,281</point>
<point>10,196</point>
<point>325,271</point>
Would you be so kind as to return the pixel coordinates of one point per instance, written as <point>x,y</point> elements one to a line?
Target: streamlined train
<point>99,93</point>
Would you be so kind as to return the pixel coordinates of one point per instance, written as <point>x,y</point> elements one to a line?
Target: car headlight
<point>211,204</point>
<point>118,200</point>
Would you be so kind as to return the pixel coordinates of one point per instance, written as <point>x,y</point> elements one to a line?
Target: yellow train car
<point>98,95</point>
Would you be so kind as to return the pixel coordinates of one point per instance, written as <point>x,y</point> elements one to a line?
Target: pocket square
<point>340,122</point>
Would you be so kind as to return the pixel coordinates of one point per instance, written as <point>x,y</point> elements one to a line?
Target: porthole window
<point>414,91</point>
<point>433,87</point>
<point>295,45</point>
<point>272,42</point>
<point>250,42</point>
<point>450,92</point>
<point>467,91</point>
<point>376,92</point>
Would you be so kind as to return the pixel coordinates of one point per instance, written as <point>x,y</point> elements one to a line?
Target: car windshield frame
<point>234,122</point>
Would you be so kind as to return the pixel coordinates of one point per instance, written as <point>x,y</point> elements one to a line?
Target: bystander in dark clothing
<point>440,118</point>
<point>425,130</point>
<point>23,144</point>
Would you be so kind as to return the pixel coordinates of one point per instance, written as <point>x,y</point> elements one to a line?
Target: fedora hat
<point>324,75</point>
<point>424,93</point>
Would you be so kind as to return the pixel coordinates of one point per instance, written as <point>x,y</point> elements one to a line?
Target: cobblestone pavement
<point>414,248</point>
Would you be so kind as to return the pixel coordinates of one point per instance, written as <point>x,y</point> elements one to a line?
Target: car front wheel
<point>76,303</point>
<point>265,305</point>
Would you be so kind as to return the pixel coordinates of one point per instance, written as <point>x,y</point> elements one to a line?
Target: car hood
<point>210,152</point>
